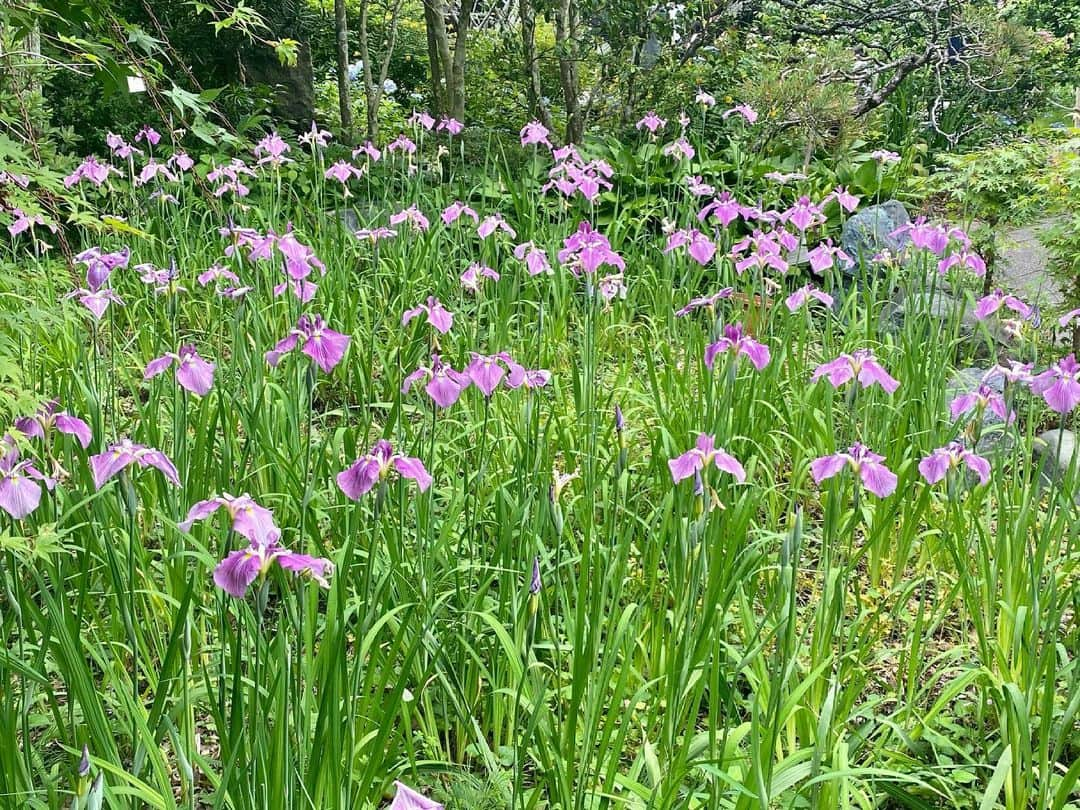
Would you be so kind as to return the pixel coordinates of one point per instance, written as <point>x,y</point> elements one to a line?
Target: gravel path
<point>1021,267</point>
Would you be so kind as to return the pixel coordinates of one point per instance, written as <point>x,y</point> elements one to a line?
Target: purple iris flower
<point>26,222</point>
<point>587,250</point>
<point>982,399</point>
<point>437,315</point>
<point>322,344</point>
<point>402,143</point>
<point>1068,317</point>
<point>217,273</point>
<point>148,134</point>
<point>988,305</point>
<point>934,238</point>
<point>408,799</point>
<point>1059,385</point>
<point>456,210</point>
<point>536,260</point>
<point>192,372</point>
<point>181,160</point>
<point>493,223</point>
<point>698,458</point>
<point>300,259</point>
<point>1014,372</point>
<point>374,235</point>
<point>708,302</point>
<point>421,119</point>
<point>963,258</point>
<point>470,279</point>
<point>652,122</point>
<point>376,466</point>
<point>99,265</point>
<point>701,248</point>
<point>303,289</point>
<point>518,376</point>
<point>412,215</point>
<point>844,198</point>
<point>745,110</point>
<point>535,133</point>
<point>152,169</point>
<point>725,208</point>
<point>884,156</point>
<point>20,180</point>
<point>165,281</point>
<point>826,255</point>
<point>861,365</point>
<point>228,178</point>
<point>20,493</point>
<point>342,171</point>
<point>486,372</point>
<point>450,125</point>
<point>97,301</point>
<point>444,384</point>
<point>574,174</point>
<point>765,250</point>
<point>938,464</point>
<point>272,149</point>
<point>149,274</point>
<point>368,149</point>
<point>803,214</point>
<point>242,567</point>
<point>737,343</point>
<point>90,169</point>
<point>249,520</point>
<point>47,418</point>
<point>123,454</point>
<point>699,188</point>
<point>679,149</point>
<point>535,583</point>
<point>867,465</point>
<point>315,136</point>
<point>801,296</point>
<point>121,148</point>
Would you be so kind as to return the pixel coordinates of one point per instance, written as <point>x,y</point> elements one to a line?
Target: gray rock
<point>943,306</point>
<point>1055,453</point>
<point>940,306</point>
<point>349,218</point>
<point>293,86</point>
<point>871,231</point>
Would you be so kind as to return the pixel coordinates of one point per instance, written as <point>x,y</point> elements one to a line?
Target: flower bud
<point>535,584</point>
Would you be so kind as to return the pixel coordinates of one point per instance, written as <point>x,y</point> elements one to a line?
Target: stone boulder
<point>942,306</point>
<point>871,230</point>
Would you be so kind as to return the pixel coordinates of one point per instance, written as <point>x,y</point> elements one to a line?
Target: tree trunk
<point>442,79</point>
<point>371,92</point>
<point>448,65</point>
<point>566,45</point>
<point>461,41</point>
<point>533,90</point>
<point>373,85</point>
<point>435,69</point>
<point>341,29</point>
